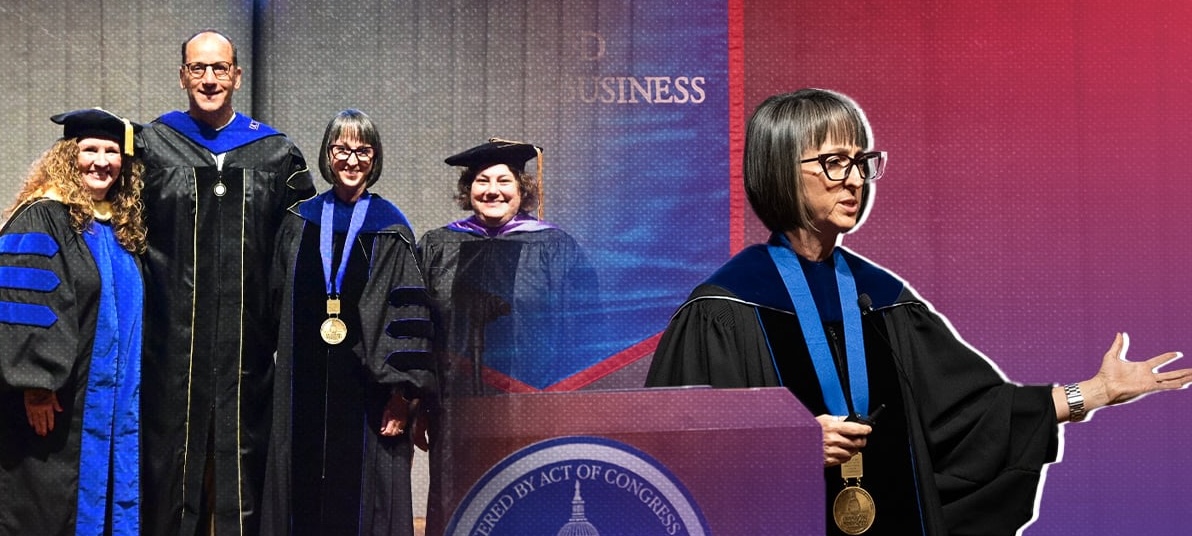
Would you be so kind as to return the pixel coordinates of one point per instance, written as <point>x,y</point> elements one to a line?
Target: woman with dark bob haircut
<point>774,132</point>
<point>354,367</point>
<point>921,433</point>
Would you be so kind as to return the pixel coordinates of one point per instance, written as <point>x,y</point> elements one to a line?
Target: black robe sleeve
<point>299,184</point>
<point>713,342</point>
<point>48,328</point>
<point>397,352</point>
<point>986,439</point>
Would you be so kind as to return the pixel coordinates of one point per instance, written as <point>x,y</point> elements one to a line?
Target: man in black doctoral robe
<point>217,186</point>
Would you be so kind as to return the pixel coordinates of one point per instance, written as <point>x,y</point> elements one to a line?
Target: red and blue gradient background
<point>1037,191</point>
<point>1037,195</point>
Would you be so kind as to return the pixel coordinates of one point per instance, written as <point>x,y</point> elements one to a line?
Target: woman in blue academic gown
<point>70,317</point>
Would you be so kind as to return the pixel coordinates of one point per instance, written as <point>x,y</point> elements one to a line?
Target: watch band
<point>1075,402</point>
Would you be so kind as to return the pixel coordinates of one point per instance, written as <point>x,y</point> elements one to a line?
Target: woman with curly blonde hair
<point>71,301</point>
<point>56,174</point>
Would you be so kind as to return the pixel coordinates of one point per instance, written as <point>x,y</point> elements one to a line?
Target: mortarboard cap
<point>98,123</point>
<point>514,154</point>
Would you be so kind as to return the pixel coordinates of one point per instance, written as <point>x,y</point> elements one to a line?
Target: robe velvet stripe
<point>32,279</point>
<point>35,279</point>
<point>28,244</point>
<point>25,278</point>
<point>111,407</point>
<point>25,314</point>
<point>242,131</point>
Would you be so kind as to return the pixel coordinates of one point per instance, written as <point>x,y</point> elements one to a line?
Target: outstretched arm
<point>1120,381</point>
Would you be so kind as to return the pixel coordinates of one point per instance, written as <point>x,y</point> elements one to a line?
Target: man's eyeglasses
<point>838,166</point>
<point>343,153</point>
<point>221,69</point>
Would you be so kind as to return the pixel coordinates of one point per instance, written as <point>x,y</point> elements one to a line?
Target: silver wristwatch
<point>1075,402</point>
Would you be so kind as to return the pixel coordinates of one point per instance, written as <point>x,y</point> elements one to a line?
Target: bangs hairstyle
<point>780,131</point>
<point>527,186</point>
<point>357,125</point>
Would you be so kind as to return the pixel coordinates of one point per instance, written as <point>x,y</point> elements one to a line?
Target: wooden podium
<point>697,460</point>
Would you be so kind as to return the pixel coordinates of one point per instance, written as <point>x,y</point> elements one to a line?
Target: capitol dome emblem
<point>578,486</point>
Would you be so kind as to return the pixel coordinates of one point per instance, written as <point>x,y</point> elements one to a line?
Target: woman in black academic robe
<point>353,365</point>
<point>514,290</point>
<point>513,293</point>
<point>957,449</point>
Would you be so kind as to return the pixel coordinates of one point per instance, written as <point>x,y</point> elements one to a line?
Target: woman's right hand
<point>40,407</point>
<point>842,439</point>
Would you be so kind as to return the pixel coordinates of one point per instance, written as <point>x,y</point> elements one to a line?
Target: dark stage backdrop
<point>628,99</point>
<point>1035,193</point>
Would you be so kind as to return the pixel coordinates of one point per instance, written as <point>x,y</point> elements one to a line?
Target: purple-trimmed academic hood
<point>671,461</point>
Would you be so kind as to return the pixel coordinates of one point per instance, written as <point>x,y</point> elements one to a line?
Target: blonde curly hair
<point>58,169</point>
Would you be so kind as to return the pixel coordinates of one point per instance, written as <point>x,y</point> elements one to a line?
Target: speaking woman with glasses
<point>353,362</point>
<point>921,433</point>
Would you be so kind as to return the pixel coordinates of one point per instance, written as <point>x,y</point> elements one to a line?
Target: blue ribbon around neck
<point>813,333</point>
<point>327,242</point>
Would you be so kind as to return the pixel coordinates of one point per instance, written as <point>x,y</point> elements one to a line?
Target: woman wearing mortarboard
<point>354,365</point>
<point>71,297</point>
<point>511,286</point>
<point>513,292</point>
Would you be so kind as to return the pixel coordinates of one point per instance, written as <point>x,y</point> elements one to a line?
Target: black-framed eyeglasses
<point>221,69</point>
<point>343,153</point>
<point>838,166</point>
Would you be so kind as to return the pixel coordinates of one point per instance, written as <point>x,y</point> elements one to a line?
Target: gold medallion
<point>333,330</point>
<point>853,510</point>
